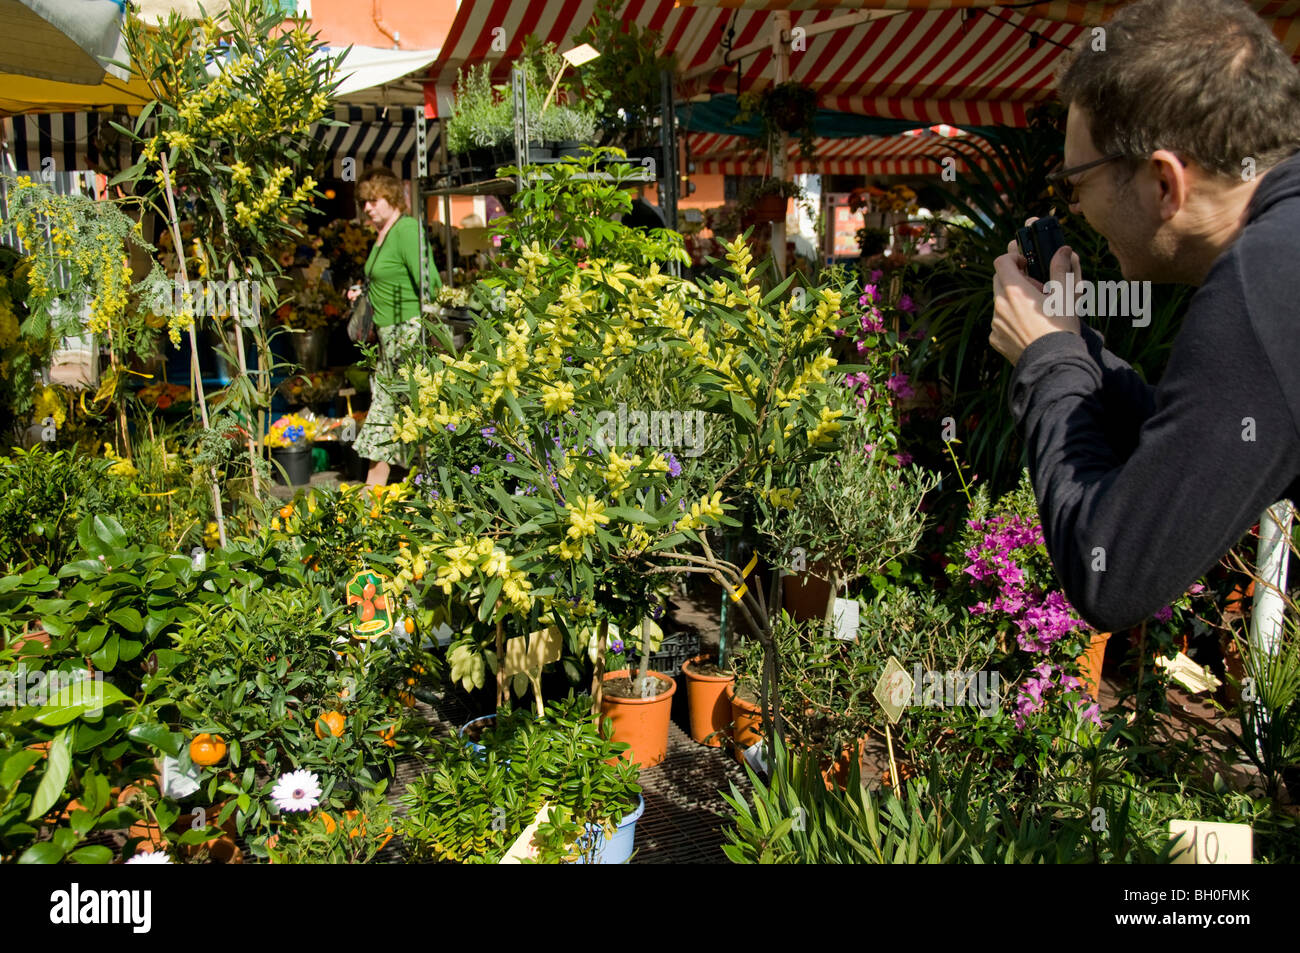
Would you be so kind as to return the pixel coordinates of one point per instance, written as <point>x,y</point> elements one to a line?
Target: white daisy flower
<point>150,857</point>
<point>297,791</point>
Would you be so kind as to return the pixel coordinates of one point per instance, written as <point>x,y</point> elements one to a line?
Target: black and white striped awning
<point>64,142</point>
<point>72,141</point>
<point>374,136</point>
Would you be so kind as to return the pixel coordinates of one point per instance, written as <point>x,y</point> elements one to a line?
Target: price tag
<point>846,619</point>
<point>1207,842</point>
<point>893,690</point>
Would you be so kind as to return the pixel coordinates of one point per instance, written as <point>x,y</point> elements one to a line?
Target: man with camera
<point>1180,150</point>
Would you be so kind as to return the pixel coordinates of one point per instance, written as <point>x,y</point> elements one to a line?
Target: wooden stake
<point>196,376</point>
<point>598,679</point>
<point>501,666</point>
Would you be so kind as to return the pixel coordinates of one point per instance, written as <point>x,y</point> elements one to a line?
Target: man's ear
<point>1173,181</point>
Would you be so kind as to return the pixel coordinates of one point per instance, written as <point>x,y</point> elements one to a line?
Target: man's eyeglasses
<point>1067,190</point>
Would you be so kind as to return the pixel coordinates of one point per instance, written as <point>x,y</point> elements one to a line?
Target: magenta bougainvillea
<point>1006,564</point>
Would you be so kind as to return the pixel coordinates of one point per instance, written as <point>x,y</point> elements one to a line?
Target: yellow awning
<point>26,94</point>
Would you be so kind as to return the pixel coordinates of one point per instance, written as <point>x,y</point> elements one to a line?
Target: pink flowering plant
<point>1001,563</point>
<point>876,383</point>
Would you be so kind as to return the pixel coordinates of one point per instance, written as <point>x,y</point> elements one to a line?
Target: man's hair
<point>1205,79</point>
<point>380,183</point>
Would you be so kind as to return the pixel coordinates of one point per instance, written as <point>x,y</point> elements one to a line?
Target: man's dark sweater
<point>1156,484</point>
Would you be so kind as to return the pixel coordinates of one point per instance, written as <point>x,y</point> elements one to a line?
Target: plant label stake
<point>1202,842</point>
<point>374,617</point>
<point>893,690</point>
<point>523,848</point>
<point>527,656</point>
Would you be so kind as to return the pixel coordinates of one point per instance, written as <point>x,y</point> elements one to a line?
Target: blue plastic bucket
<point>617,849</point>
<point>486,722</point>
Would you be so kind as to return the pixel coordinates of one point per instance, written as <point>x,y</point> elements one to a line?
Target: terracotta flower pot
<point>1090,664</point>
<point>805,595</point>
<point>641,723</point>
<point>746,723</point>
<point>706,696</point>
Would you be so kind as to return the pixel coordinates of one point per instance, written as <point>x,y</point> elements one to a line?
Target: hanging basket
<point>768,208</point>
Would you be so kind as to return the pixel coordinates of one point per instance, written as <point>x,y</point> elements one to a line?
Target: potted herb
<point>566,129</point>
<point>481,124</point>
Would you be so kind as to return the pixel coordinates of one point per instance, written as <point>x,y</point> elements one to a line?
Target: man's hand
<point>1019,318</point>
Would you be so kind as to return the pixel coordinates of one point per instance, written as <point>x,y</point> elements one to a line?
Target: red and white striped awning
<point>962,67</point>
<point>963,62</point>
<point>921,155</point>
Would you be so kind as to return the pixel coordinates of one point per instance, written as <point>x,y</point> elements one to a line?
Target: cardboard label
<point>1208,842</point>
<point>846,619</point>
<point>375,615</point>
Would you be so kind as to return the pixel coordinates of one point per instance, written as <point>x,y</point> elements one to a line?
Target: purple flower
<point>616,646</point>
<point>876,275</point>
<point>904,458</point>
<point>869,293</point>
<point>488,431</point>
<point>674,466</point>
<point>474,469</point>
<point>898,383</point>
<point>451,426</point>
<point>1165,614</point>
<point>510,458</point>
<point>905,303</point>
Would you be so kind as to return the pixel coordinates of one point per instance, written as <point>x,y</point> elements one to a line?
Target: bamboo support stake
<point>598,679</point>
<point>243,370</point>
<point>196,376</point>
<point>501,666</point>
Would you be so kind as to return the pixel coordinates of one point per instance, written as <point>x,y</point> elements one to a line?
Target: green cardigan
<point>392,272</point>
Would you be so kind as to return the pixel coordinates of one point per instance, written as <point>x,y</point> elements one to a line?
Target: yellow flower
<point>584,515</point>
<point>557,398</point>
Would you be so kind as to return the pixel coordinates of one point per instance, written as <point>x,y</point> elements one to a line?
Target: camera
<point>1038,243</point>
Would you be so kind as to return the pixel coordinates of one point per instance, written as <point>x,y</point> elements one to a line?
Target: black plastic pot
<point>538,153</point>
<point>296,462</point>
<point>565,149</point>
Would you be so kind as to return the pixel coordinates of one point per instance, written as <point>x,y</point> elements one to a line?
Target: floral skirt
<point>376,441</point>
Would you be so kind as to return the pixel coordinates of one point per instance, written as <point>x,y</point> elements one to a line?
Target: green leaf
<point>160,737</point>
<point>128,618</point>
<point>75,700</point>
<point>58,766</point>
<point>93,854</point>
<point>16,766</point>
<point>42,853</point>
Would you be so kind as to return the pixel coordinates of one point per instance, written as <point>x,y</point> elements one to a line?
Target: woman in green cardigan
<point>392,271</point>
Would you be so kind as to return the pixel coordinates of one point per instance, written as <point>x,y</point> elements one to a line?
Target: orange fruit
<point>367,611</point>
<point>330,723</point>
<point>286,511</point>
<point>368,591</point>
<point>388,735</point>
<point>207,750</point>
<point>409,624</point>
